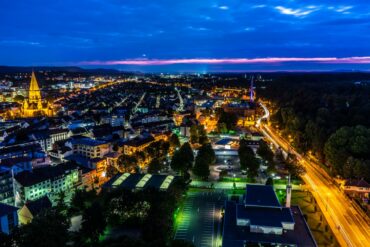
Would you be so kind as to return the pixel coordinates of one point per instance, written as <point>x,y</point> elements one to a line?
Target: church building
<point>34,106</point>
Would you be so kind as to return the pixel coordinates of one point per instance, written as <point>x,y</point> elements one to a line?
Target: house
<point>46,138</point>
<point>356,188</point>
<point>90,148</point>
<point>8,218</point>
<point>32,208</point>
<point>137,144</point>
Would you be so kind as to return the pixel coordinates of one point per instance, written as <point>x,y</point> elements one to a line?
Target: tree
<point>205,158</point>
<point>93,223</point>
<point>48,229</point>
<point>248,161</point>
<point>269,181</point>
<point>174,142</point>
<point>186,153</point>
<point>18,98</point>
<point>344,143</point>
<point>194,137</point>
<point>202,133</point>
<point>226,121</point>
<point>295,169</point>
<point>127,163</point>
<point>208,153</point>
<point>6,240</point>
<point>201,167</point>
<point>265,152</point>
<point>61,206</point>
<point>178,164</point>
<point>82,199</point>
<point>154,166</point>
<point>111,170</point>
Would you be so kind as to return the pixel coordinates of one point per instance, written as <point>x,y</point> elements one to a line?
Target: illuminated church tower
<point>34,106</point>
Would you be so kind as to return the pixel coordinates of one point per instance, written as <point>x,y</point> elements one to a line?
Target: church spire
<point>34,93</point>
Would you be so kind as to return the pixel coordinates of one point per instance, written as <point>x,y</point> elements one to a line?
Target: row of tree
<point>318,112</point>
<point>183,159</point>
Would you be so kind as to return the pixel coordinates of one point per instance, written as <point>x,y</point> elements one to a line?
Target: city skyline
<point>206,36</point>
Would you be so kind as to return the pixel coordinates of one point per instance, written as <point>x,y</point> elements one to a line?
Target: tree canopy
<point>248,160</point>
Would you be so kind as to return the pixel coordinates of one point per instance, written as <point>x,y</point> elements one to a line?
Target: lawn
<point>315,219</point>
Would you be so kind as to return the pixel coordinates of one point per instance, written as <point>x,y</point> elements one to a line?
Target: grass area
<point>285,181</point>
<point>232,179</point>
<point>315,219</point>
<point>281,194</point>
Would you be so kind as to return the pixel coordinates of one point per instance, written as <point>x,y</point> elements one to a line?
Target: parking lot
<point>200,218</point>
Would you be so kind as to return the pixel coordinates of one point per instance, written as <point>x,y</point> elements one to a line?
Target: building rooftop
<point>6,209</point>
<point>237,236</point>
<point>139,141</point>
<point>264,216</point>
<point>261,195</point>
<point>35,207</point>
<point>140,181</point>
<point>357,183</point>
<point>27,178</point>
<point>87,142</point>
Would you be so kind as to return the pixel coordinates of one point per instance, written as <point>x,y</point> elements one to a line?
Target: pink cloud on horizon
<point>268,60</point>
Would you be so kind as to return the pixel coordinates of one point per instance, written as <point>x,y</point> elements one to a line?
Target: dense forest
<point>326,114</point>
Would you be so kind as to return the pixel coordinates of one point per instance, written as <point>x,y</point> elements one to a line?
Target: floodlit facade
<point>34,105</point>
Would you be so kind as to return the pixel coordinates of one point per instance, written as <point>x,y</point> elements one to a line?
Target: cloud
<point>249,29</point>
<point>19,42</point>
<point>342,9</point>
<point>197,28</point>
<point>259,6</point>
<point>268,60</point>
<point>223,7</point>
<point>297,12</point>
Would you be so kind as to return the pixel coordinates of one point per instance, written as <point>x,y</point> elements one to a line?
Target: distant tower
<point>34,94</point>
<point>34,105</point>
<point>251,92</point>
<point>288,193</point>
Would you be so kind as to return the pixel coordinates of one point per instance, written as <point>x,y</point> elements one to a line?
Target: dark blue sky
<point>165,32</point>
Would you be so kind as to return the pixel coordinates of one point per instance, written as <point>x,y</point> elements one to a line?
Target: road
<point>181,101</point>
<point>350,228</point>
<point>200,219</point>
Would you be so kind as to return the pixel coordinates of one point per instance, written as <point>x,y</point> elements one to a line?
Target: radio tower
<point>251,91</point>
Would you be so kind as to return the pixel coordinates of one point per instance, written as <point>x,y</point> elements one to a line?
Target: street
<point>200,220</point>
<point>349,227</point>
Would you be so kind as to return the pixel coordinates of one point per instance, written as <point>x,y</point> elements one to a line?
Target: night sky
<point>187,35</point>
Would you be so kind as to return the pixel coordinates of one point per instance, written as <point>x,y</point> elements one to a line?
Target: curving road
<point>348,225</point>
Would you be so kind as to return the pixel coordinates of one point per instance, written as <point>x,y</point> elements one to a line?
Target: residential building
<point>8,218</point>
<point>6,187</point>
<point>45,181</point>
<point>90,148</point>
<point>137,144</point>
<point>356,188</point>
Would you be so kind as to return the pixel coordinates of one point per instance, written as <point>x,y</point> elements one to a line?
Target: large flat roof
<point>238,236</point>
<point>140,181</point>
<point>264,216</point>
<point>261,195</point>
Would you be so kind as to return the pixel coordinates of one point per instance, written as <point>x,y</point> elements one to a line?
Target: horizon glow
<point>268,60</point>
